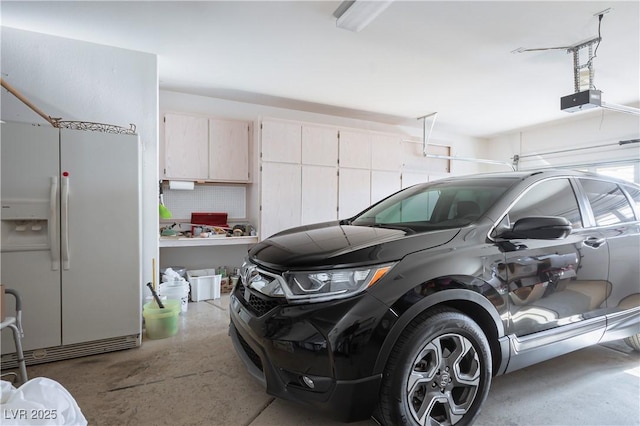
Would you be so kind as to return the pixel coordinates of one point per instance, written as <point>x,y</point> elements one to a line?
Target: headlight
<point>332,284</point>
<point>313,286</point>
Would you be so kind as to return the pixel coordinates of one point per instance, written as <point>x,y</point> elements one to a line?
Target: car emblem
<point>444,380</point>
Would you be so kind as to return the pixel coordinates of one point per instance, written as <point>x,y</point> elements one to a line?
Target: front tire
<point>438,373</point>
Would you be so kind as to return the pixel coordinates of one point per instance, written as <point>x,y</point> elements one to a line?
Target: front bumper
<point>330,344</point>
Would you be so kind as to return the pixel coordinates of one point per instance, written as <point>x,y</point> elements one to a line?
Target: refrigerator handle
<point>53,227</point>
<point>64,222</point>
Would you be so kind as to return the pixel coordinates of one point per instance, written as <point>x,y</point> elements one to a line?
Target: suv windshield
<point>436,205</point>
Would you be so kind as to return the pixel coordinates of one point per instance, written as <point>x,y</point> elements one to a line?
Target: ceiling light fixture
<point>354,15</point>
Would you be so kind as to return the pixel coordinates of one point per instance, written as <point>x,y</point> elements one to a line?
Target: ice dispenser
<point>28,225</point>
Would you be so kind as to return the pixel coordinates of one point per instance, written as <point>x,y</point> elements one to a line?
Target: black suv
<point>407,310</point>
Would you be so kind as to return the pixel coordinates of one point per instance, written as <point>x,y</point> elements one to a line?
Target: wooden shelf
<point>206,242</point>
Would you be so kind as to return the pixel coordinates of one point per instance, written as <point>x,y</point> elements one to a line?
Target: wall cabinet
<point>354,189</point>
<point>208,149</point>
<point>281,142</point>
<point>299,182</point>
<point>314,173</point>
<point>319,146</point>
<point>229,150</point>
<point>355,149</point>
<point>186,148</point>
<point>384,183</point>
<point>414,178</point>
<point>380,155</point>
<point>386,152</point>
<point>280,201</point>
<point>294,194</point>
<point>319,197</point>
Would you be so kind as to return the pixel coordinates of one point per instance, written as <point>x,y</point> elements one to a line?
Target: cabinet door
<point>414,178</point>
<point>228,150</point>
<point>319,146</point>
<point>354,189</point>
<point>355,149</point>
<point>383,184</point>
<point>281,142</point>
<point>186,151</point>
<point>281,189</point>
<point>386,152</point>
<point>319,194</point>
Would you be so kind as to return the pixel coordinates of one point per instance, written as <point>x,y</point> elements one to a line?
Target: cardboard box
<point>226,285</point>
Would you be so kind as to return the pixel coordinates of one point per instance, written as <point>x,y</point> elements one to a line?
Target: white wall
<point>80,81</point>
<point>586,129</point>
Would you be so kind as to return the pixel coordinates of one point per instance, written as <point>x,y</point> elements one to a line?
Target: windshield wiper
<point>391,226</point>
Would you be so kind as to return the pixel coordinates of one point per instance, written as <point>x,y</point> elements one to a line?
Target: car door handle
<point>594,242</point>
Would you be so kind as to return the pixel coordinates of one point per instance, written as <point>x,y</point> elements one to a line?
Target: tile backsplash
<point>231,199</point>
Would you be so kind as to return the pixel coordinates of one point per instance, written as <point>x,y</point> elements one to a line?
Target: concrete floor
<point>195,378</point>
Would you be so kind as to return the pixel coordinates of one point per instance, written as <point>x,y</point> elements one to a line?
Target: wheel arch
<point>466,301</point>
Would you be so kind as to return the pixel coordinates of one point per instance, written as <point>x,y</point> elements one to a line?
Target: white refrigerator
<point>71,240</point>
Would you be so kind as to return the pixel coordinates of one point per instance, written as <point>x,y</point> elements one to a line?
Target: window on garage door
<point>634,193</point>
<point>628,172</point>
<point>608,202</point>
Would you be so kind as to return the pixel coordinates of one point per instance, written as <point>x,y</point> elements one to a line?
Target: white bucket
<point>178,290</point>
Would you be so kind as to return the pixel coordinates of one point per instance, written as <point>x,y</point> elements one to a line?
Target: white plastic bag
<point>171,275</point>
<point>39,401</point>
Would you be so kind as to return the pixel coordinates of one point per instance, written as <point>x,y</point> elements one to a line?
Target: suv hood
<point>332,245</point>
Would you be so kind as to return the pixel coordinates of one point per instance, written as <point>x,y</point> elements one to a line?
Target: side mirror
<point>539,228</point>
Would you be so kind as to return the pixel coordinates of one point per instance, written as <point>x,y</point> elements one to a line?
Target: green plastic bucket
<point>161,322</point>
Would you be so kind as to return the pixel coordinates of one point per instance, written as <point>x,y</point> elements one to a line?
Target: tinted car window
<point>548,198</point>
<point>608,202</point>
<point>418,207</point>
<point>438,205</point>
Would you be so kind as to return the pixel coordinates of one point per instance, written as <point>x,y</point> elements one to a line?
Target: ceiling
<point>416,58</point>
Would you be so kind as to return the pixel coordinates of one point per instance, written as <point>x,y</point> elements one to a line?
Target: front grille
<point>253,356</point>
<point>256,304</point>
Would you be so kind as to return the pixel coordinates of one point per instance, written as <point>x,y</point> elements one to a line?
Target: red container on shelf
<point>208,219</point>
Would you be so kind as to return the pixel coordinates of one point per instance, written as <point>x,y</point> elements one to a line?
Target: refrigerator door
<point>30,226</point>
<point>101,242</point>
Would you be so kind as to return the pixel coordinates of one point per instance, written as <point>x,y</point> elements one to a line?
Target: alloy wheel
<point>443,381</point>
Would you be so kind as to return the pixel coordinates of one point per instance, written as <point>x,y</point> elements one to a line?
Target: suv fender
<point>478,307</point>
